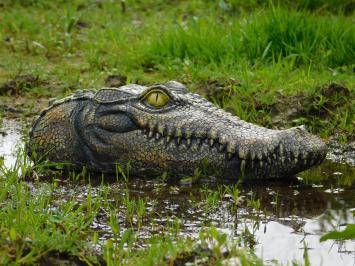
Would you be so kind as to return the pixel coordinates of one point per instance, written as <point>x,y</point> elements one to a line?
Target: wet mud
<point>20,84</point>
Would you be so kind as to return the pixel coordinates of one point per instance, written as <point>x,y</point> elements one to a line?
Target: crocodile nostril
<point>301,129</point>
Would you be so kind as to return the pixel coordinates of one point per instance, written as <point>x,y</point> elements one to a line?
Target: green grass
<point>32,227</point>
<point>347,233</point>
<point>256,59</point>
<point>268,36</point>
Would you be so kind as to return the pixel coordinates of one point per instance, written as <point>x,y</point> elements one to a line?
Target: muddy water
<point>291,215</point>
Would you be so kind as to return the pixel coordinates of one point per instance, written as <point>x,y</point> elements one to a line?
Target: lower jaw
<point>208,164</point>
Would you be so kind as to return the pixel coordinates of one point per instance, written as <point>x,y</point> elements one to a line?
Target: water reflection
<point>291,215</point>
<point>10,139</point>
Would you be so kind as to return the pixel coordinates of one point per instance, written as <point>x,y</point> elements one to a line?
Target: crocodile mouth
<point>278,155</point>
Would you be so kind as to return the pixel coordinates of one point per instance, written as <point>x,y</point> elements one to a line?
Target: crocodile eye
<point>157,98</point>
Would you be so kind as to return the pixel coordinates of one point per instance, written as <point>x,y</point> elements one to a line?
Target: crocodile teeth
<point>261,164</point>
<point>259,155</point>
<point>241,154</point>
<point>161,129</point>
<point>211,141</point>
<point>213,134</point>
<point>150,134</point>
<point>265,154</point>
<point>198,141</point>
<point>270,150</point>
<point>269,160</point>
<point>188,134</point>
<point>178,140</point>
<point>157,136</point>
<point>229,148</point>
<point>178,132</point>
<point>188,142</point>
<point>221,147</point>
<point>282,158</point>
<point>229,155</point>
<point>242,166</point>
<point>168,139</point>
<point>252,156</point>
<point>304,156</point>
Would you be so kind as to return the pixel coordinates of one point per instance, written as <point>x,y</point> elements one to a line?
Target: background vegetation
<point>278,64</point>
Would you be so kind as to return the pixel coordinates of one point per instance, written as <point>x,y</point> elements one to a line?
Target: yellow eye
<point>157,98</point>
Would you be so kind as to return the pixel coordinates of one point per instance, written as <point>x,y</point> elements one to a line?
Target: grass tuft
<point>300,38</point>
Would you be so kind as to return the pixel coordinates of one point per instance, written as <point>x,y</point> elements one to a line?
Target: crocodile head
<point>164,128</point>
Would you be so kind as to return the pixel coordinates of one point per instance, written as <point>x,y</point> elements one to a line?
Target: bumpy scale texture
<point>116,126</point>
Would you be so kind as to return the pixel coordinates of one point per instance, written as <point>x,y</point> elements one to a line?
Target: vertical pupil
<point>156,98</point>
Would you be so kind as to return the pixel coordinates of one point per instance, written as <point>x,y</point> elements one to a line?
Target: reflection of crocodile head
<point>282,200</point>
<point>164,128</point>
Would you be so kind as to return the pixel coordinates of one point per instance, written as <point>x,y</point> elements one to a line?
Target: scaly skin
<point>100,129</point>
